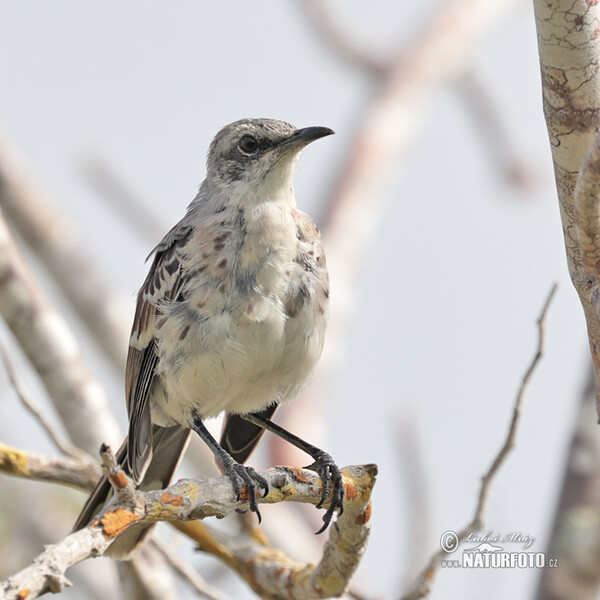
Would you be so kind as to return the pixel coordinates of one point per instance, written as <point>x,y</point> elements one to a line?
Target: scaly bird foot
<point>245,477</point>
<point>331,477</point>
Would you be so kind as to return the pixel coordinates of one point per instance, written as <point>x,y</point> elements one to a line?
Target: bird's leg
<point>323,465</point>
<point>239,475</point>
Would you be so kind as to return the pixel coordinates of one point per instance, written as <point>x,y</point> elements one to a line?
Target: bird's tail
<point>239,437</point>
<point>168,444</point>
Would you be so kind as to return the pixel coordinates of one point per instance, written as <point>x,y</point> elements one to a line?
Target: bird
<point>231,318</point>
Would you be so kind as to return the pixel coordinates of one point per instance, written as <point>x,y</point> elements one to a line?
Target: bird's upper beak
<point>302,137</point>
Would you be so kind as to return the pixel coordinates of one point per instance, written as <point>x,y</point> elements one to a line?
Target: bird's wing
<point>162,284</point>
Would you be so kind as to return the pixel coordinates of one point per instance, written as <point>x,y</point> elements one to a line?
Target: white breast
<point>232,345</point>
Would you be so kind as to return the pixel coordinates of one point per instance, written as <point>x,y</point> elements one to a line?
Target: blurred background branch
<point>57,244</point>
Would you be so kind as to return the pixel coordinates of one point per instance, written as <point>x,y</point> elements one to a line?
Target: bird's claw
<point>332,480</point>
<point>245,477</point>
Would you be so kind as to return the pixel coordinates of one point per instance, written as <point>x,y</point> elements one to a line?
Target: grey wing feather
<point>162,283</point>
<point>139,446</point>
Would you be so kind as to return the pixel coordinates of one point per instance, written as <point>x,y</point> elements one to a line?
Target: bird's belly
<point>222,363</point>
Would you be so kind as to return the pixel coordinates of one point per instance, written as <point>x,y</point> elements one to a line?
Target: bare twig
<point>188,573</point>
<point>62,444</point>
<point>422,586</point>
<point>52,349</point>
<point>265,569</point>
<point>55,469</point>
<point>124,488</point>
<point>51,235</point>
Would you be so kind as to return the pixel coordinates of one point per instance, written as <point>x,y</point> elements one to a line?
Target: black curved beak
<point>302,137</point>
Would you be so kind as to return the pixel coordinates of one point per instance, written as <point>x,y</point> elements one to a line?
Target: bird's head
<point>258,155</point>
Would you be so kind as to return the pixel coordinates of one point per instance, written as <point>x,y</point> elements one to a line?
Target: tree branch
<point>422,586</point>
<point>51,236</point>
<point>62,444</point>
<point>52,349</point>
<point>55,469</point>
<point>269,571</point>
<point>569,46</point>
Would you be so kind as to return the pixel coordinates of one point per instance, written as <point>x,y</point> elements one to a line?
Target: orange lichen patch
<point>298,474</point>
<point>23,594</point>
<point>351,491</point>
<point>168,498</point>
<point>244,495</point>
<point>119,480</point>
<point>115,522</point>
<point>364,518</point>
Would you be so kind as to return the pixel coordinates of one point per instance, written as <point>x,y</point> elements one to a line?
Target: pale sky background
<point>455,278</point>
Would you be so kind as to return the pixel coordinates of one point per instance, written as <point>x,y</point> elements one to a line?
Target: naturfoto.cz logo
<point>489,555</point>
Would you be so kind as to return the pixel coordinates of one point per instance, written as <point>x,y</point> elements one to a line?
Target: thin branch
<point>422,586</point>
<point>51,235</point>
<point>53,351</point>
<point>122,485</point>
<point>62,444</point>
<point>269,572</point>
<point>188,573</point>
<point>54,469</point>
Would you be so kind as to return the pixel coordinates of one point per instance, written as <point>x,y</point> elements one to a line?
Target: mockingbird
<point>231,317</point>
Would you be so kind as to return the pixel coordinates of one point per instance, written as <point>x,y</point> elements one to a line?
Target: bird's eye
<point>248,144</point>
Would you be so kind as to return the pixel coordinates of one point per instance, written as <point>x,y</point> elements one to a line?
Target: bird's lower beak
<point>302,137</point>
